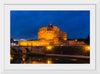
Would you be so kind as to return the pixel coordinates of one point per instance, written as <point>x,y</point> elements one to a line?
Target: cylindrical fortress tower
<point>50,33</point>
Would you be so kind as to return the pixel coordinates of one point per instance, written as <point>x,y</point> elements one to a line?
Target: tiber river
<point>37,59</point>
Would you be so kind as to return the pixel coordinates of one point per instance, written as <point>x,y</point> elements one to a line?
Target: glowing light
<point>23,59</point>
<point>49,61</point>
<point>65,39</point>
<point>74,59</point>
<point>11,58</point>
<point>34,62</point>
<point>49,47</point>
<point>87,48</point>
<point>75,39</point>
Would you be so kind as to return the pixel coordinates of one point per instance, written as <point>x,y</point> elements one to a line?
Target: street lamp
<point>49,47</point>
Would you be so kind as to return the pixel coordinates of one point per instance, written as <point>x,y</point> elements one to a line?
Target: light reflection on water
<point>49,61</point>
<point>24,59</point>
<point>36,61</point>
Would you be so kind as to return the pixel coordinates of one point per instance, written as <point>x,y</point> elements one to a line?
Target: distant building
<point>51,35</point>
<point>13,43</point>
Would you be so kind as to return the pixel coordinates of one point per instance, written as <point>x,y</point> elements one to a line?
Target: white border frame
<point>14,2</point>
<point>90,66</point>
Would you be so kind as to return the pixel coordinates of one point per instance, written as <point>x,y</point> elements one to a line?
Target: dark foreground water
<point>42,59</point>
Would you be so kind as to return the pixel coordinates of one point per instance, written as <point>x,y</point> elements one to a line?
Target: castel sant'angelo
<point>51,35</point>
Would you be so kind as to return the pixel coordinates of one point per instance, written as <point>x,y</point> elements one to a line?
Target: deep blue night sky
<point>26,24</point>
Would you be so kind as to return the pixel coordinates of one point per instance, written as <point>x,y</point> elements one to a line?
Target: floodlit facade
<point>50,35</point>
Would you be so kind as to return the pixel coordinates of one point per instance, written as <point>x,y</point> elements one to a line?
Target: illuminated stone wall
<point>33,43</point>
<point>51,33</point>
<point>50,42</point>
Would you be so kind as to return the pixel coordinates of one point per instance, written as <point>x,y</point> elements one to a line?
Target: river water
<point>37,59</point>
